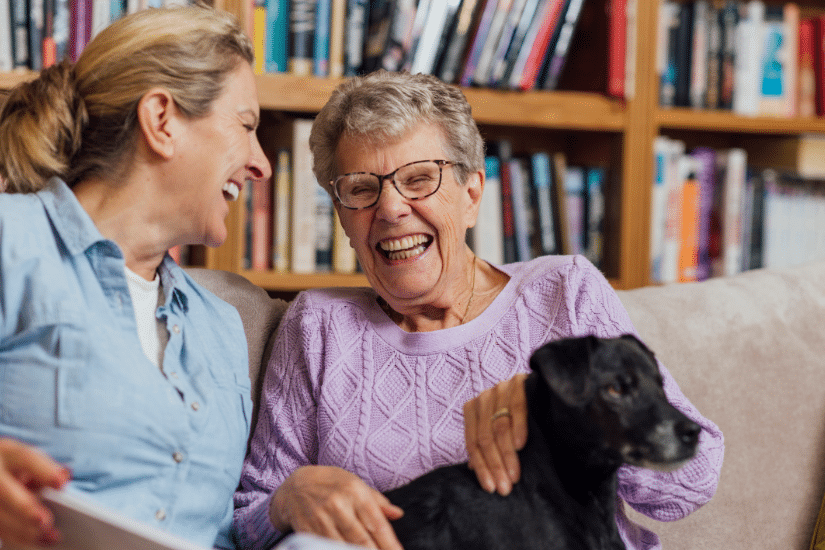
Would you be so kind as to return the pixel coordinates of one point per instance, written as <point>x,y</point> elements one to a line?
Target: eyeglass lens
<point>413,181</point>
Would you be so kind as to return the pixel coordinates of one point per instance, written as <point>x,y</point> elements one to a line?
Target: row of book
<point>714,213</point>
<point>533,204</point>
<point>37,33</point>
<point>748,56</point>
<point>513,44</point>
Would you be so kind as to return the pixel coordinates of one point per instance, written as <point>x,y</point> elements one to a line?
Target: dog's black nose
<point>688,432</point>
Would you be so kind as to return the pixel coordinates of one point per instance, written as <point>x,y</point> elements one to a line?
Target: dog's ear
<point>565,366</point>
<point>640,344</point>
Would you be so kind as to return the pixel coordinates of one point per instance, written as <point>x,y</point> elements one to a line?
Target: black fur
<point>593,405</point>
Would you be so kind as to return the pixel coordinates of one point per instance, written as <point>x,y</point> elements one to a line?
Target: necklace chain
<point>472,292</point>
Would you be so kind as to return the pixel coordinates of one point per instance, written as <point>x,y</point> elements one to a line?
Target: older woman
<point>366,387</point>
<point>118,373</point>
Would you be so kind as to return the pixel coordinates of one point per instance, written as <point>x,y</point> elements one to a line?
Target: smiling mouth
<point>405,247</point>
<point>231,191</point>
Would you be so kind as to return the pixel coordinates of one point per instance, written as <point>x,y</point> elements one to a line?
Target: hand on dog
<point>336,504</point>
<point>23,472</point>
<point>492,444</point>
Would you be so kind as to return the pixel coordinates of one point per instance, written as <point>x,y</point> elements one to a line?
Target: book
<point>259,36</point>
<point>560,202</point>
<point>35,32</point>
<point>517,59</point>
<point>818,23</point>
<point>705,166</point>
<point>543,193</point>
<point>509,41</point>
<point>377,34</point>
<point>630,55</point>
<point>449,69</point>
<point>426,49</point>
<point>689,226</point>
<point>683,55</point>
<point>773,73</point>
<point>753,219</point>
<point>101,16</point>
<point>747,65</point>
<point>6,59</point>
<point>714,58</point>
<point>281,206</point>
<point>574,187</point>
<point>343,255</point>
<point>792,19</point>
<point>481,74</point>
<point>337,36</point>
<point>477,43</point>
<point>594,214</point>
<point>528,67</point>
<point>357,16</point>
<point>735,171</point>
<point>666,52</point>
<point>320,44</point>
<point>301,36</point>
<point>261,224</point>
<point>728,18</point>
<point>658,205</point>
<point>276,36</point>
<point>616,47</point>
<point>324,229</point>
<point>488,238</point>
<point>520,202</point>
<point>399,39</point>
<point>302,255</point>
<point>448,29</point>
<point>806,76</point>
<point>699,52</point>
<point>669,268</point>
<point>60,29</point>
<point>556,61</point>
<point>505,154</point>
<point>19,24</point>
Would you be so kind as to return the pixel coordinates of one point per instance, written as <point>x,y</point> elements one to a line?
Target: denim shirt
<point>161,447</point>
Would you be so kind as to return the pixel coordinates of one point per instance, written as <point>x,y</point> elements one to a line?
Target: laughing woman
<point>366,387</point>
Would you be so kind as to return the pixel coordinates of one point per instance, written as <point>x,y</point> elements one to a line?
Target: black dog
<point>593,405</point>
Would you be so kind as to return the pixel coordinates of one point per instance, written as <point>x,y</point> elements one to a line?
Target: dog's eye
<point>616,389</point>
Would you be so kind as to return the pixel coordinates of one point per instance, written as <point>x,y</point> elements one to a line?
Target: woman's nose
<point>259,165</point>
<point>391,204</point>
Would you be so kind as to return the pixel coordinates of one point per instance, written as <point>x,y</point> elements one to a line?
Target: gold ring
<point>503,411</point>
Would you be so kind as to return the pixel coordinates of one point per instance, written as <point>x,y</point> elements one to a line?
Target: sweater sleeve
<point>664,496</point>
<point>285,436</point>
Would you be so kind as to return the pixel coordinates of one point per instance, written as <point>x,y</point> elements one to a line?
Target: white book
<point>658,205</point>
<point>673,218</point>
<point>281,211</point>
<point>734,186</point>
<point>5,36</point>
<point>302,258</point>
<point>488,242</point>
<point>101,11</point>
<point>747,70</point>
<point>431,35</point>
<point>483,70</point>
<point>699,52</point>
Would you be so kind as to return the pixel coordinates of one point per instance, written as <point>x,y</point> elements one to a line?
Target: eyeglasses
<point>413,181</point>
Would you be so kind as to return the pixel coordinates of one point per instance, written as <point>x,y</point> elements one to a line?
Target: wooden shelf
<point>725,121</point>
<point>537,109</point>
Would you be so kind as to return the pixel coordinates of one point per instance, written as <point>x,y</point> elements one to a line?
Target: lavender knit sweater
<point>347,387</point>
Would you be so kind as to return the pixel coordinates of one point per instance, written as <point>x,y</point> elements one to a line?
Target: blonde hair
<point>79,121</point>
<point>384,106</point>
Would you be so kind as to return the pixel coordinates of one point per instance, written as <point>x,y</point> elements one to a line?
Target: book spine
<point>735,173</point>
<point>521,205</point>
<point>320,49</point>
<point>658,206</point>
<point>399,40</point>
<point>562,45</point>
<point>544,206</point>
<point>377,34</point>
<point>456,46</point>
<point>477,45</point>
<point>261,224</point>
<point>630,56</point>
<point>729,17</point>
<point>533,64</point>
<point>594,207</point>
<point>705,158</point>
<point>356,21</point>
<point>259,36</point>
<point>773,91</point>
<point>673,220</point>
<point>301,36</point>
<point>574,189</point>
<point>689,234</point>
<point>48,48</point>
<point>323,230</point>
<point>427,50</point>
<point>507,46</point>
<point>343,255</point>
<point>35,34</point>
<point>714,58</point>
<point>6,56</point>
<point>747,63</point>
<point>19,35</point>
<point>303,200</point>
<point>792,21</point>
<point>337,37</point>
<point>60,29</point>
<point>616,47</point>
<point>807,73</point>
<point>507,222</point>
<point>684,43</point>
<point>282,202</point>
<point>517,64</point>
<point>699,52</point>
<point>488,232</point>
<point>481,75</point>
<point>277,36</point>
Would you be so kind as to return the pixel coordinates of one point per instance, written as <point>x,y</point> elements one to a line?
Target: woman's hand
<point>336,504</point>
<point>23,472</point>
<point>495,428</point>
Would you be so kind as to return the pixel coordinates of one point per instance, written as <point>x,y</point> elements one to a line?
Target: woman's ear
<point>474,188</point>
<point>158,121</point>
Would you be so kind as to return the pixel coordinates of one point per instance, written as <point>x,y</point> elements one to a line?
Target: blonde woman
<point>120,376</point>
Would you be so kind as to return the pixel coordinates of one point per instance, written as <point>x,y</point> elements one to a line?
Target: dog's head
<point>616,386</point>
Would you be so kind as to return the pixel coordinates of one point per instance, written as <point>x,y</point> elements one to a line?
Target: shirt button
<point>176,329</point>
<point>177,456</point>
<point>196,406</point>
<point>160,515</point>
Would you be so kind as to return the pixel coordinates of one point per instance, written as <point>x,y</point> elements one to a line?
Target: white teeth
<point>403,243</point>
<point>404,254</point>
<point>232,190</point>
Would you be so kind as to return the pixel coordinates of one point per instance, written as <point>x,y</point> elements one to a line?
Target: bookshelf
<point>584,123</point>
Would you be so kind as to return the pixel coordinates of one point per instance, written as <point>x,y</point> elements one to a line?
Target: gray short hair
<point>384,106</point>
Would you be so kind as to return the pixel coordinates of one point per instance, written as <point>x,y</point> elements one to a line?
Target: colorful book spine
<point>616,47</point>
<point>527,79</point>
<point>477,44</point>
<point>277,36</point>
<point>301,36</point>
<point>259,36</point>
<point>261,192</point>
<point>594,218</point>
<point>320,48</point>
<point>689,228</point>
<point>561,48</point>
<point>807,74</point>
<point>488,238</point>
<point>281,207</point>
<point>705,158</point>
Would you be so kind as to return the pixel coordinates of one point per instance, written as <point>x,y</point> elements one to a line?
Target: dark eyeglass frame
<point>391,176</point>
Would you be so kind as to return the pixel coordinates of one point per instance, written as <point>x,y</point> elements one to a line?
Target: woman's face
<point>220,153</point>
<point>412,251</point>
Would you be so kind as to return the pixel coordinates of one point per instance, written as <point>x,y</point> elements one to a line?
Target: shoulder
<point>566,272</point>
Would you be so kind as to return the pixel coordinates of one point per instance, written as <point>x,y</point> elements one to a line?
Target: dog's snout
<point>688,432</point>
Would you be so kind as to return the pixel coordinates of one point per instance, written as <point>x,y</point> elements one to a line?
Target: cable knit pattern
<point>347,387</point>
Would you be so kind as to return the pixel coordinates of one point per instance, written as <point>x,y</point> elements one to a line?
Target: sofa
<point>748,352</point>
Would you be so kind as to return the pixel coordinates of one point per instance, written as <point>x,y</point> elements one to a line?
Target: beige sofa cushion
<point>749,352</point>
